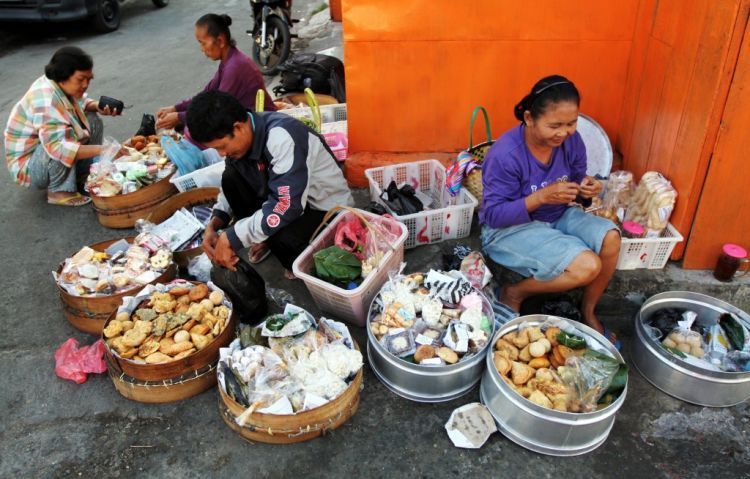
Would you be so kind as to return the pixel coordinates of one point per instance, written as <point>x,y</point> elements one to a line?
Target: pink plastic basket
<point>339,144</point>
<point>348,305</point>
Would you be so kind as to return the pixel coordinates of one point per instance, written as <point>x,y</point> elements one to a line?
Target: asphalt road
<point>54,428</point>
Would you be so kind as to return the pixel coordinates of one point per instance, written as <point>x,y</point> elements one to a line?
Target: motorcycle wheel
<point>107,16</point>
<point>278,43</point>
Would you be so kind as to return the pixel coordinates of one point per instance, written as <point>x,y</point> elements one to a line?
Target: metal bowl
<point>427,384</point>
<point>539,429</point>
<point>676,377</point>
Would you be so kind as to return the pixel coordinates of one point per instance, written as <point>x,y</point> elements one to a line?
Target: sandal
<point>74,200</point>
<point>609,334</point>
<point>265,251</point>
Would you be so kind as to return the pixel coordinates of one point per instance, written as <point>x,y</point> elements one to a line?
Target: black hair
<point>212,115</point>
<point>217,25</point>
<point>65,62</point>
<point>548,90</point>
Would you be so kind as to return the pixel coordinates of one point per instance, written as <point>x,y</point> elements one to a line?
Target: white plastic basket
<point>349,305</point>
<point>328,113</point>
<point>447,217</point>
<point>205,177</point>
<point>649,253</point>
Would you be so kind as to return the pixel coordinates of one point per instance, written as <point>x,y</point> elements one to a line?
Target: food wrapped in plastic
<point>620,188</point>
<point>652,203</point>
<point>683,339</point>
<point>590,376</point>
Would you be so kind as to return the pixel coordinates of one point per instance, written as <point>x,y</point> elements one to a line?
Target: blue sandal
<point>617,344</point>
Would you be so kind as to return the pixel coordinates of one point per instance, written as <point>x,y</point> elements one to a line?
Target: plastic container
<point>209,176</point>
<point>328,113</point>
<point>339,144</point>
<point>446,218</point>
<point>122,211</point>
<point>731,258</point>
<point>649,253</point>
<point>542,430</point>
<point>348,305</point>
<point>678,378</point>
<point>632,230</point>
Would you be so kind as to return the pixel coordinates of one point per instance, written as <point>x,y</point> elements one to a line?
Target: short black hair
<point>212,115</point>
<point>217,25</point>
<point>65,62</point>
<point>549,90</point>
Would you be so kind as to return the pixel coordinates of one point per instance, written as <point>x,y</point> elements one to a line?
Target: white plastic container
<point>445,218</point>
<point>328,113</point>
<point>209,176</point>
<point>649,253</point>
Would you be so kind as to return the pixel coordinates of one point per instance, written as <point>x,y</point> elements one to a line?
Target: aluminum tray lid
<point>598,147</point>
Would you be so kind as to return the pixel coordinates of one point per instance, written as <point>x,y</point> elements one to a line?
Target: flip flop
<point>261,258</point>
<point>617,343</point>
<point>67,201</point>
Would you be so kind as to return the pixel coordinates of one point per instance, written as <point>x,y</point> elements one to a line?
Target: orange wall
<point>415,69</point>
<point>683,57</point>
<point>723,215</point>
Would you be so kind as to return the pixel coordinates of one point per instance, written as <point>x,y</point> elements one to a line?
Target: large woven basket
<point>473,181</point>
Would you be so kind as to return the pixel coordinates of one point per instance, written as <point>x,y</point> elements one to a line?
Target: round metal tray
<point>598,148</point>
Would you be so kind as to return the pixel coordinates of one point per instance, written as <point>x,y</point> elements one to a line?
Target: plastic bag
<point>279,297</point>
<point>736,362</point>
<point>737,334</point>
<point>402,201</point>
<point>186,156</point>
<point>652,203</point>
<point>475,270</point>
<point>378,241</point>
<point>200,268</point>
<point>104,178</point>
<point>665,320</point>
<point>683,339</point>
<point>562,306</point>
<point>590,377</point>
<point>74,363</point>
<point>351,236</point>
<point>620,188</point>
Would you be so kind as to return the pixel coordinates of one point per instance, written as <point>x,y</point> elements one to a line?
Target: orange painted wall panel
<point>424,101</point>
<point>723,215</point>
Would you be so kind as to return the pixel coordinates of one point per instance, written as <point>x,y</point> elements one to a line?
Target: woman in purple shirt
<point>531,177</point>
<point>237,73</point>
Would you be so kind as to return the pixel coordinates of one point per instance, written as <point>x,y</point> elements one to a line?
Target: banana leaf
<point>337,266</point>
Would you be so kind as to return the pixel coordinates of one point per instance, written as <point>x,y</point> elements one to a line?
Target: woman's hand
<point>590,187</point>
<point>161,112</point>
<point>560,193</point>
<point>224,255</point>
<point>169,120</point>
<point>106,111</point>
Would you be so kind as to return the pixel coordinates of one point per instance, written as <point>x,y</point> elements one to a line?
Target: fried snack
<point>127,325</point>
<point>184,354</point>
<point>157,358</point>
<point>544,374</point>
<point>535,334</point>
<point>448,355</point>
<point>123,316</point>
<point>133,338</point>
<point>117,345</point>
<point>221,312</point>
<point>207,305</point>
<point>160,326</point>
<point>507,349</point>
<point>185,299</point>
<point>188,325</point>
<point>200,329</point>
<point>114,328</point>
<point>179,291</point>
<point>181,308</point>
<point>551,335</point>
<point>525,355</point>
<point>541,362</point>
<point>502,364</point>
<point>177,348</point>
<point>129,353</point>
<point>536,349</point>
<point>148,347</point>
<point>521,373</point>
<point>198,292</point>
<point>559,402</point>
<point>539,398</point>
<point>196,312</point>
<point>522,339</point>
<point>163,306</point>
<point>216,297</point>
<point>144,327</point>
<point>424,351</point>
<point>165,344</point>
<point>181,336</point>
<point>200,341</point>
<point>565,351</point>
<point>547,345</point>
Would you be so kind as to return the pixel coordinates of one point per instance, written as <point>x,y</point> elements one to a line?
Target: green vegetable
<point>571,340</point>
<point>675,351</point>
<point>734,330</point>
<point>337,266</point>
<point>619,381</point>
<point>277,321</point>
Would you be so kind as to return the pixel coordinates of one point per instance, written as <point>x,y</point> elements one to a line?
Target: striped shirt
<point>44,117</point>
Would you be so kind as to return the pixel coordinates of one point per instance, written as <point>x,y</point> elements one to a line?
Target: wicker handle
<point>314,108</point>
<point>368,224</point>
<point>486,125</point>
<point>260,100</point>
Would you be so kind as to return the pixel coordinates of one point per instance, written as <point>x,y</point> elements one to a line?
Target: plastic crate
<point>339,144</point>
<point>203,178</point>
<point>448,217</point>
<point>348,305</point>
<point>649,253</point>
<point>328,113</point>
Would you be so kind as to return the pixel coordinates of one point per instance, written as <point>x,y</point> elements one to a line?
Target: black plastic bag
<point>245,288</point>
<point>376,208</point>
<point>563,307</point>
<point>452,256</point>
<point>402,201</point>
<point>148,125</point>
<point>665,320</point>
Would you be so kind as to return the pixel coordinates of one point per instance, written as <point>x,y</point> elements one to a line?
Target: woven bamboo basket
<point>292,428</point>
<point>122,211</point>
<point>88,314</point>
<point>187,199</point>
<point>173,369</point>
<point>473,181</point>
<point>164,391</point>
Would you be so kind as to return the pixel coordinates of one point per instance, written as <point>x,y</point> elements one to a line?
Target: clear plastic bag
<point>684,340</point>
<point>200,268</point>
<point>104,178</point>
<point>589,376</point>
<point>620,188</point>
<point>652,203</point>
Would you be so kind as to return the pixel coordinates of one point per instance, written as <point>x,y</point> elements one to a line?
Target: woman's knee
<point>611,244</point>
<point>585,267</point>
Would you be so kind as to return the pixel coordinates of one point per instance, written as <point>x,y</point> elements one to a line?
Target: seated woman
<point>54,132</point>
<point>532,176</point>
<point>237,75</point>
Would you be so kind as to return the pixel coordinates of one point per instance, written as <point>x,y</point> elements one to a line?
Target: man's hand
<point>590,187</point>
<point>210,237</point>
<point>224,255</point>
<point>169,120</point>
<point>558,193</point>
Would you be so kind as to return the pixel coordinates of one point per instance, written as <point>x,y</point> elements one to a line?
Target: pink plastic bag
<point>72,362</point>
<point>351,236</point>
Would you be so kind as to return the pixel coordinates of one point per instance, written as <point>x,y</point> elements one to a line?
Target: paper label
<point>422,339</point>
<point>432,362</point>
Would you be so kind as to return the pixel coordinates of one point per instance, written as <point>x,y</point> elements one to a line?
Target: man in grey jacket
<point>279,180</point>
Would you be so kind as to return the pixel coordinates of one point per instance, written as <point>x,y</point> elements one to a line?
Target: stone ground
<point>54,428</point>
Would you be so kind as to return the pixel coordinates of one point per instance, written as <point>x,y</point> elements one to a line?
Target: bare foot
<point>289,275</point>
<point>593,322</point>
<point>509,299</point>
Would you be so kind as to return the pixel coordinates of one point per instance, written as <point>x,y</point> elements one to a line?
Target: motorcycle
<point>272,39</point>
